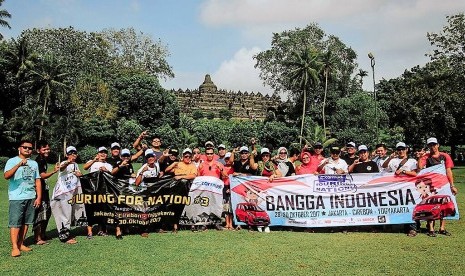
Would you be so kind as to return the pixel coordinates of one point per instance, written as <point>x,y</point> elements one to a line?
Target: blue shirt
<point>22,183</point>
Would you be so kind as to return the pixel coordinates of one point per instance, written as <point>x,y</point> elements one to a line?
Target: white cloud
<point>238,73</point>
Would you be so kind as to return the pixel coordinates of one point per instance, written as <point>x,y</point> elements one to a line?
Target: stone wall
<point>242,105</point>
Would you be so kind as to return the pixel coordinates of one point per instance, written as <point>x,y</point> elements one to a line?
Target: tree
<point>141,98</point>
<point>304,69</point>
<point>47,80</point>
<point>19,58</point>
<point>225,114</point>
<point>329,62</point>
<point>362,73</point>
<point>137,51</point>
<point>3,22</point>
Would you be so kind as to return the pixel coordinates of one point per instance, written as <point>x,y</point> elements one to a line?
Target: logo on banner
<point>333,184</point>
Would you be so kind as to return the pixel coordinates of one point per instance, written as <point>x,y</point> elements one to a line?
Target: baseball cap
<point>115,145</point>
<point>350,144</point>
<point>102,149</point>
<point>335,149</point>
<point>173,152</point>
<point>227,155</point>
<point>401,145</point>
<point>149,153</point>
<point>318,145</point>
<point>244,148</point>
<point>222,146</point>
<point>209,144</point>
<point>125,152</point>
<point>187,150</point>
<point>264,150</point>
<point>70,149</point>
<point>362,147</point>
<point>431,140</point>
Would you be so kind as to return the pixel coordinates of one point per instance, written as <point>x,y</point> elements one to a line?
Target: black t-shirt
<point>124,171</point>
<point>349,160</point>
<point>165,164</point>
<point>113,161</point>
<point>243,168</point>
<point>43,166</point>
<point>366,167</point>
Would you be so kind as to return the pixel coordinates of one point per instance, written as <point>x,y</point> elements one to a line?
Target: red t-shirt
<point>443,158</point>
<point>213,168</point>
<point>228,171</point>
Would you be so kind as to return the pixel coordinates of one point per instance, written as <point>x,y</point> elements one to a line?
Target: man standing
<point>435,157</point>
<point>399,163</point>
<point>24,194</point>
<point>242,166</point>
<point>156,144</point>
<point>222,154</point>
<point>363,164</point>
<point>44,212</point>
<point>333,164</point>
<point>350,156</point>
<point>380,152</point>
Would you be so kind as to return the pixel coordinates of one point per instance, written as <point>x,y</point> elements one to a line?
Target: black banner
<point>114,201</point>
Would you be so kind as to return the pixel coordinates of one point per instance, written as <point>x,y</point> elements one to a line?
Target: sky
<point>220,37</point>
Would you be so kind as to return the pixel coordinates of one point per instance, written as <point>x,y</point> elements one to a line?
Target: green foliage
<point>86,153</point>
<point>210,115</point>
<point>242,131</point>
<point>225,114</point>
<point>3,160</point>
<point>136,51</point>
<point>141,98</point>
<point>3,22</point>
<point>197,114</point>
<point>97,132</point>
<point>277,134</point>
<point>127,131</point>
<point>355,119</point>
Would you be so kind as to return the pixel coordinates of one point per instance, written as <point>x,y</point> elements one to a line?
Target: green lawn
<point>242,252</point>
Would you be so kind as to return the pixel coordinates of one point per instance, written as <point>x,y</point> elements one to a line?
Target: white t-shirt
<point>393,165</point>
<point>97,165</point>
<point>333,165</point>
<point>150,172</point>
<point>379,161</point>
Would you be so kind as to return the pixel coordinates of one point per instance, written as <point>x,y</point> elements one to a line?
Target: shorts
<point>21,212</point>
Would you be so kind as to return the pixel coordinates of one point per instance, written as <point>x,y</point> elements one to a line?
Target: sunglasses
<point>187,156</point>
<point>196,152</point>
<point>27,148</point>
<point>244,152</point>
<point>400,149</point>
<point>72,153</point>
<point>283,152</point>
<point>103,151</point>
<point>126,155</point>
<point>210,153</point>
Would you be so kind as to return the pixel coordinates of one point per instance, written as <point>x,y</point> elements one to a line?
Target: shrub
<point>3,160</point>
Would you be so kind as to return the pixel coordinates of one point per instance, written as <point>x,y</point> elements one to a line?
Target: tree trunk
<point>44,110</point>
<point>324,105</point>
<point>303,117</point>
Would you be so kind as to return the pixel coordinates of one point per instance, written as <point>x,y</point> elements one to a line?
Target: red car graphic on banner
<point>251,214</point>
<point>434,207</point>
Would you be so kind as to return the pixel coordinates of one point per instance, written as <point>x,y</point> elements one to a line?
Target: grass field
<point>242,252</point>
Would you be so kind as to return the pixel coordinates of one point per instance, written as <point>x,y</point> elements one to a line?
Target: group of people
<point>30,203</point>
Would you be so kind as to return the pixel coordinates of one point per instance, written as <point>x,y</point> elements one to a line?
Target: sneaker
<point>267,229</point>
<point>260,229</point>
<point>444,232</point>
<point>412,233</point>
<point>102,234</point>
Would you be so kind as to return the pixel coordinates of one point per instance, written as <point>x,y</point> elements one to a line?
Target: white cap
<point>362,147</point>
<point>209,143</point>
<point>401,145</point>
<point>227,155</point>
<point>282,148</point>
<point>70,148</point>
<point>114,145</point>
<point>149,152</point>
<point>244,148</point>
<point>264,150</point>
<point>102,149</point>
<point>351,144</point>
<point>125,151</point>
<point>431,140</point>
<point>222,146</point>
<point>187,150</point>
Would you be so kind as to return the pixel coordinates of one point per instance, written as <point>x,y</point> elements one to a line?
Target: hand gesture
<point>144,147</point>
<point>96,158</point>
<point>144,134</point>
<point>23,162</point>
<point>252,141</point>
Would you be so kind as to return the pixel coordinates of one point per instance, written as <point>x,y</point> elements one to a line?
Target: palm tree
<point>47,80</point>
<point>19,58</point>
<point>362,73</point>
<point>4,14</point>
<point>304,68</point>
<point>329,62</point>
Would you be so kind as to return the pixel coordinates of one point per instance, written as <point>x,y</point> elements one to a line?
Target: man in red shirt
<point>435,157</point>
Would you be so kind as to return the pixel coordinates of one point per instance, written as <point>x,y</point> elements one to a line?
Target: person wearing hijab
<point>284,165</point>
